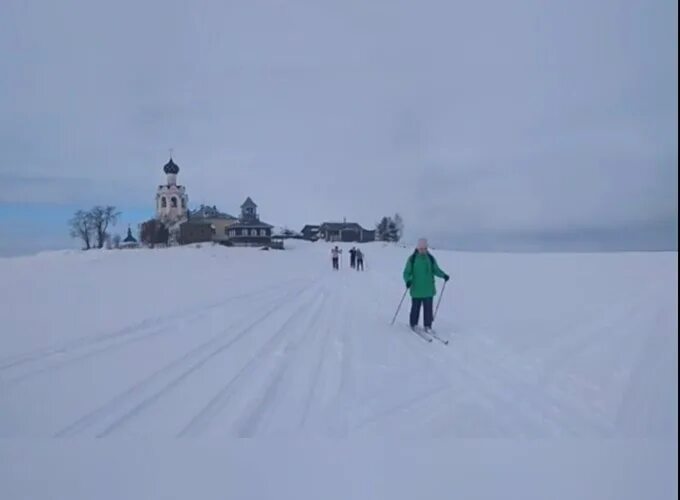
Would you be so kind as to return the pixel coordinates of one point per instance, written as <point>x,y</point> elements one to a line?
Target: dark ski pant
<point>360,264</point>
<point>335,262</point>
<point>415,311</point>
<point>352,261</point>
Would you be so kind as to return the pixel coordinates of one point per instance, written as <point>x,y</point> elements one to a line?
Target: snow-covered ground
<point>216,342</point>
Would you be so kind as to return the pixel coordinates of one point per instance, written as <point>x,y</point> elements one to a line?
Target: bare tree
<point>82,227</point>
<point>102,218</point>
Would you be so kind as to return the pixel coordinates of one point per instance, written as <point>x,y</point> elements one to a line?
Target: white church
<point>171,201</point>
<point>172,210</point>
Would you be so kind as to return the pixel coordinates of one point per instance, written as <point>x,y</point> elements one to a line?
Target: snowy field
<point>215,343</point>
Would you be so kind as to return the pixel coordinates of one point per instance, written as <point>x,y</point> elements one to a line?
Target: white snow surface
<point>218,343</point>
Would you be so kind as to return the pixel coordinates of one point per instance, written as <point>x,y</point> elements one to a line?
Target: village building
<point>310,232</point>
<point>207,224</point>
<point>249,230</point>
<point>217,221</point>
<point>348,232</point>
<point>195,231</point>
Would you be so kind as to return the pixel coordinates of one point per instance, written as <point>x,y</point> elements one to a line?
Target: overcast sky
<point>495,125</point>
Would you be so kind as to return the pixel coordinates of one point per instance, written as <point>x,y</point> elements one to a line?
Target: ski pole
<point>398,308</point>
<point>439,301</point>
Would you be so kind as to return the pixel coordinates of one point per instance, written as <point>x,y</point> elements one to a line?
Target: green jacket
<point>420,271</point>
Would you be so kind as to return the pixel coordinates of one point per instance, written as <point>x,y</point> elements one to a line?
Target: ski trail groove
<point>109,409</point>
<point>201,421</point>
<point>252,421</point>
<point>424,351</point>
<point>347,386</point>
<point>141,406</point>
<point>533,399</point>
<point>97,351</point>
<point>154,323</point>
<point>317,371</point>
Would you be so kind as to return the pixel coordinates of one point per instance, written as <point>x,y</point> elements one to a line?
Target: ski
<point>420,334</point>
<point>434,335</point>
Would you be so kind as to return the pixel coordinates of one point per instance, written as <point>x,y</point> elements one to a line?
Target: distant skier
<point>359,259</point>
<point>353,257</point>
<point>335,257</point>
<point>421,268</point>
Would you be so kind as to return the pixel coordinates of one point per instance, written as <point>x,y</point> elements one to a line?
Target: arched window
<point>173,202</point>
<point>253,232</point>
<point>164,202</point>
<point>263,232</point>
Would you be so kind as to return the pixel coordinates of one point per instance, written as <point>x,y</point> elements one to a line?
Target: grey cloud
<point>507,118</point>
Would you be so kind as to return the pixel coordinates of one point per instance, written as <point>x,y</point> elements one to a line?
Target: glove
<point>408,284</point>
<point>447,277</point>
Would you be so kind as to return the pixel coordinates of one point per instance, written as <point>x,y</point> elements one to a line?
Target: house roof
<point>340,226</point>
<point>249,203</point>
<point>210,213</point>
<point>310,226</point>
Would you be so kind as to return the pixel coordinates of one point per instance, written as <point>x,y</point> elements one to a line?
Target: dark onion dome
<point>171,167</point>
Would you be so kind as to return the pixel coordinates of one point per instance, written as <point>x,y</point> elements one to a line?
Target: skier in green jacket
<point>419,273</point>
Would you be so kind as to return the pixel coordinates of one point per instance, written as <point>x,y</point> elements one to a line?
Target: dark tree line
<point>91,226</point>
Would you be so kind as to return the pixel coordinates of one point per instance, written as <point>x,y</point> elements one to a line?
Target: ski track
<point>118,409</point>
<point>156,324</point>
<point>144,404</point>
<point>315,354</point>
<point>519,405</point>
<point>202,420</point>
<point>322,356</point>
<point>338,415</point>
<point>279,379</point>
<point>86,351</point>
<point>462,376</point>
<point>600,331</point>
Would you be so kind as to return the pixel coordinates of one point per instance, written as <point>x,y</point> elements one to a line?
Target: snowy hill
<point>241,342</point>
